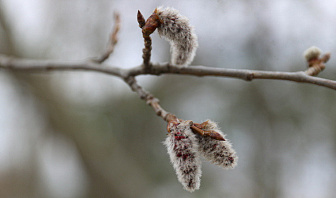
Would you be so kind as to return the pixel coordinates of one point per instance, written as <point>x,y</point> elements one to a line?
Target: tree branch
<point>244,74</point>
<point>128,75</point>
<point>28,65</point>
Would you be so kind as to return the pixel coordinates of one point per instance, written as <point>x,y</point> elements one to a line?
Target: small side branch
<point>112,41</point>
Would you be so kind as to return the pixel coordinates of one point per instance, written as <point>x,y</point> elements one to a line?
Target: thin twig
<point>29,65</point>
<point>147,52</point>
<point>150,99</point>
<point>112,41</point>
<point>148,27</point>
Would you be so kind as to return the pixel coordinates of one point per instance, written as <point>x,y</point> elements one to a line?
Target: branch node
<point>249,76</point>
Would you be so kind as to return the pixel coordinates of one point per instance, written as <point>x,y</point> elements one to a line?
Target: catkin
<point>218,152</point>
<point>312,53</point>
<point>176,29</point>
<point>182,148</point>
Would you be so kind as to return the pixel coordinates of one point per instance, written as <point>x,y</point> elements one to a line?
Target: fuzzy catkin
<point>312,53</point>
<point>176,29</point>
<point>218,152</point>
<point>182,148</point>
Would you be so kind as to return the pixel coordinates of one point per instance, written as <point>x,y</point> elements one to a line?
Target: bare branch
<point>28,65</point>
<point>244,74</point>
<point>158,69</point>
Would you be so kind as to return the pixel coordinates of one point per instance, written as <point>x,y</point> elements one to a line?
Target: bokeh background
<point>83,134</point>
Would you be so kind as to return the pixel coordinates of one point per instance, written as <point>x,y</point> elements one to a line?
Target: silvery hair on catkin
<point>182,148</point>
<point>176,29</point>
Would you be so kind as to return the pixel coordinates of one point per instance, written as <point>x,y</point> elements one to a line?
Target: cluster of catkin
<point>186,148</point>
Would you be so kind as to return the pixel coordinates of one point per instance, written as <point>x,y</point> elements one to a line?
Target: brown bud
<point>141,19</point>
<point>214,135</point>
<point>151,24</point>
<point>198,128</point>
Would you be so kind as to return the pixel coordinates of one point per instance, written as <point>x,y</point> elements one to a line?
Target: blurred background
<point>84,134</point>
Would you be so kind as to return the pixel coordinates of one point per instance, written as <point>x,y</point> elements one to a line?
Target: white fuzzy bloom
<point>175,28</point>
<point>312,53</point>
<point>218,152</point>
<point>182,148</point>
